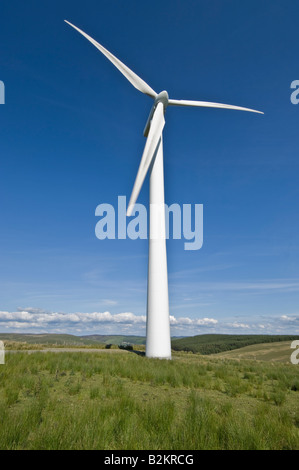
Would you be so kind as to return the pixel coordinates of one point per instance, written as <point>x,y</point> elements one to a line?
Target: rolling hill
<point>70,340</point>
<point>269,352</point>
<point>201,344</point>
<point>213,344</point>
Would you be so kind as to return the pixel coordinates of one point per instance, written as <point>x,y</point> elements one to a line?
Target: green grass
<point>272,352</point>
<point>116,339</point>
<point>47,339</point>
<point>202,344</point>
<point>125,401</point>
<point>213,344</point>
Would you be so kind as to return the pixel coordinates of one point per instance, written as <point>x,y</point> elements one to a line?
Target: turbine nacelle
<point>160,98</point>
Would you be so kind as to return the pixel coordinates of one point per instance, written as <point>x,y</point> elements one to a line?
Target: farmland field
<point>71,400</point>
<point>213,343</point>
<point>62,340</point>
<point>274,352</point>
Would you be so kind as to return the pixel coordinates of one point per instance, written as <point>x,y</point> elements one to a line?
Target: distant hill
<point>213,344</point>
<point>115,339</point>
<point>70,340</point>
<point>49,339</point>
<point>269,352</point>
<point>202,344</point>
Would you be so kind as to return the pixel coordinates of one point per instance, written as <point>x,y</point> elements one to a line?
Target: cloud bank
<point>36,320</point>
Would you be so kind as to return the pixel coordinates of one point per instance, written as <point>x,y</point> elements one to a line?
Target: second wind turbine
<point>157,321</point>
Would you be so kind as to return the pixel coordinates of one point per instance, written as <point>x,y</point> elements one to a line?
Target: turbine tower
<point>157,324</point>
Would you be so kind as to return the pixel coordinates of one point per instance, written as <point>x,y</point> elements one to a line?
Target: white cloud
<point>238,325</point>
<point>262,286</point>
<point>109,302</point>
<point>290,318</point>
<point>36,320</point>
<point>185,321</point>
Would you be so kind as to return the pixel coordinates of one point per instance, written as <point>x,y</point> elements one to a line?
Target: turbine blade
<point>207,104</point>
<point>154,135</point>
<point>136,81</point>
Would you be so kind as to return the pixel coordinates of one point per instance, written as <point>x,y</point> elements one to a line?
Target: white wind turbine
<point>157,325</point>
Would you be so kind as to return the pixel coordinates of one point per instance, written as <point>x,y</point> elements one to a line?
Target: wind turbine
<point>157,324</point>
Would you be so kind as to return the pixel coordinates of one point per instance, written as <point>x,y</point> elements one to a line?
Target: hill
<point>115,339</point>
<point>202,344</point>
<point>213,344</point>
<point>48,339</point>
<point>70,340</point>
<point>270,352</point>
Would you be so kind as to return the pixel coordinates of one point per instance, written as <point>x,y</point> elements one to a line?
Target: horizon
<point>144,336</point>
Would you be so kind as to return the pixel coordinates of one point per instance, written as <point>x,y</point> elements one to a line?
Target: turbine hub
<point>162,98</point>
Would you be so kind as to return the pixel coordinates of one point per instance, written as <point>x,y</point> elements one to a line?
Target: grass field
<point>202,344</point>
<point>274,352</point>
<point>215,343</point>
<point>64,340</point>
<point>73,400</point>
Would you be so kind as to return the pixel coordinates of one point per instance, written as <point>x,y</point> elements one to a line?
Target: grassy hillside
<point>272,352</point>
<point>213,344</point>
<point>203,344</point>
<point>115,339</point>
<point>126,401</point>
<point>70,340</point>
<point>47,339</point>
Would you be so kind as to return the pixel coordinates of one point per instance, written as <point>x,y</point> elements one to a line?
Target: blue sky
<point>71,138</point>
